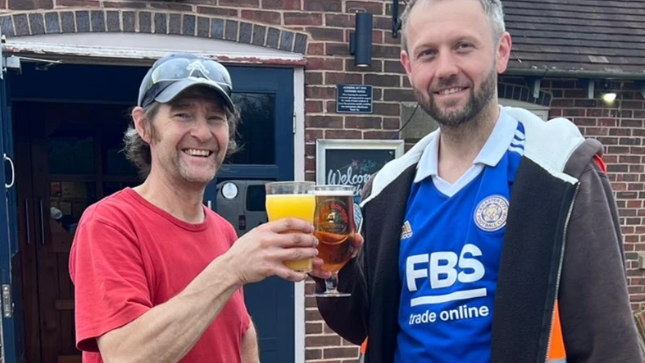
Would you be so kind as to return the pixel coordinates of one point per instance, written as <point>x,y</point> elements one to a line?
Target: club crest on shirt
<point>491,213</point>
<point>406,230</point>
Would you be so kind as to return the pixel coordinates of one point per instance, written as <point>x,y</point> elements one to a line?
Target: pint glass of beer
<point>292,199</point>
<point>334,229</point>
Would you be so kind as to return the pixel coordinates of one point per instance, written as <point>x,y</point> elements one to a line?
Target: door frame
<point>110,55</point>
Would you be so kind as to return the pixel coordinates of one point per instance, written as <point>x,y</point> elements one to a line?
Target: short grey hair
<point>493,8</point>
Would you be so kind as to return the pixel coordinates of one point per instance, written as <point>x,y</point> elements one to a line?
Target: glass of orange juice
<point>292,199</point>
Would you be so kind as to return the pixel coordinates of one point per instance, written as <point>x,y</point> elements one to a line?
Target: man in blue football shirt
<point>495,238</point>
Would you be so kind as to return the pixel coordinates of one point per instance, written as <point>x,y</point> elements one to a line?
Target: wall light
<point>609,97</point>
<point>360,41</point>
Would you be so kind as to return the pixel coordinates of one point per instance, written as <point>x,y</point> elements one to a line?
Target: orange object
<point>556,344</point>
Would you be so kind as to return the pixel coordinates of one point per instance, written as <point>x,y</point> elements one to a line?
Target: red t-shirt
<point>129,256</point>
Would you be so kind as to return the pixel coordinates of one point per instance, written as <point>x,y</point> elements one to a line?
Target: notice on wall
<point>354,98</point>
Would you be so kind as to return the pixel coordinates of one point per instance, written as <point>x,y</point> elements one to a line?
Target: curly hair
<point>137,150</point>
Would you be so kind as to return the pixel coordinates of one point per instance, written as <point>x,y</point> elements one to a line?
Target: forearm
<point>250,351</point>
<point>168,331</point>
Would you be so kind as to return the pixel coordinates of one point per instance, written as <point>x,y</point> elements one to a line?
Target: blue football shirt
<point>450,252</point>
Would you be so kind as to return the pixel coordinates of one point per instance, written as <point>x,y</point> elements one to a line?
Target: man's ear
<point>141,124</point>
<point>503,52</point>
<point>405,62</point>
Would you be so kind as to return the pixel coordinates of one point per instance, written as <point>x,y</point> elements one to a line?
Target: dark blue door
<point>10,292</point>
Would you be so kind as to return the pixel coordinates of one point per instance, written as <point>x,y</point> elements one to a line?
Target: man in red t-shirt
<point>158,276</point>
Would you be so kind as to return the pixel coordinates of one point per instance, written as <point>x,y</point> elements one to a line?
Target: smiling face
<point>452,59</point>
<point>188,138</point>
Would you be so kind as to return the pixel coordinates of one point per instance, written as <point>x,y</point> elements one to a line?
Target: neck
<point>460,145</point>
<point>185,202</point>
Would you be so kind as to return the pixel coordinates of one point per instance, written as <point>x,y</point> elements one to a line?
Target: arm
<point>250,351</point>
<point>125,325</point>
<point>597,320</point>
<point>168,331</point>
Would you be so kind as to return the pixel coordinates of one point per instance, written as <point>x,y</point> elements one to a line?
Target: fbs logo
<point>444,269</point>
<point>406,230</point>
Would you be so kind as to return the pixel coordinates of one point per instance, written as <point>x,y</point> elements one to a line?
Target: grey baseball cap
<point>174,73</point>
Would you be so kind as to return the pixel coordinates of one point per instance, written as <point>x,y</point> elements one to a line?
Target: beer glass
<point>334,228</point>
<point>292,199</point>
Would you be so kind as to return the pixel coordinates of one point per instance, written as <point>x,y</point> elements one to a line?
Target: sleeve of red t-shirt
<point>110,283</point>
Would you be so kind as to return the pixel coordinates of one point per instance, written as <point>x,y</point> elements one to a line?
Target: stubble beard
<point>478,100</point>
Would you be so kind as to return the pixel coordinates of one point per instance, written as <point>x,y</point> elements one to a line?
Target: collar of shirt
<point>496,146</point>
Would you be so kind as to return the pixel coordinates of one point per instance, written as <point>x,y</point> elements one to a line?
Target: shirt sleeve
<point>111,289</point>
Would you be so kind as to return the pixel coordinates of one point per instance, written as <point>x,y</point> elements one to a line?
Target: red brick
<point>325,64</point>
<point>343,78</point>
<point>370,122</point>
<point>240,3</point>
<point>374,7</point>
<point>125,5</point>
<point>331,106</point>
<point>217,11</point>
<point>320,92</point>
<point>339,20</point>
<point>282,4</point>
<point>383,80</point>
<point>310,150</point>
<point>398,95</point>
<point>322,341</point>
<point>312,315</point>
<point>341,352</point>
<point>330,6</point>
<point>386,51</point>
<point>268,17</point>
<point>30,4</point>
<point>342,134</point>
<point>382,135</point>
<point>391,123</point>
<point>75,3</point>
<point>337,49</point>
<point>313,354</point>
<point>311,136</point>
<point>324,121</point>
<point>300,18</point>
<point>172,6</point>
<point>316,49</point>
<point>377,37</point>
<point>313,106</point>
<point>313,328</point>
<point>312,78</point>
<point>326,33</point>
<point>393,67</point>
<point>310,164</point>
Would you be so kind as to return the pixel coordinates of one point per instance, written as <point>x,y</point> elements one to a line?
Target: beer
<point>293,205</point>
<point>334,222</point>
<point>296,200</point>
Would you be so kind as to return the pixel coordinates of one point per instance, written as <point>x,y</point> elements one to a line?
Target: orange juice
<point>301,206</point>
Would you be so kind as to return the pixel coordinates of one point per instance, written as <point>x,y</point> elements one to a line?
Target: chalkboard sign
<point>352,162</point>
<point>352,98</point>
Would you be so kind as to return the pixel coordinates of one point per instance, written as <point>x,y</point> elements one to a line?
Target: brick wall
<point>620,128</point>
<point>320,28</point>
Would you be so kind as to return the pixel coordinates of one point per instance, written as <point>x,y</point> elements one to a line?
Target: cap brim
<point>172,91</point>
